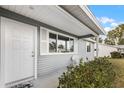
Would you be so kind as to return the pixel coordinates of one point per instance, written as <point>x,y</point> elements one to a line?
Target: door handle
<point>32,55</point>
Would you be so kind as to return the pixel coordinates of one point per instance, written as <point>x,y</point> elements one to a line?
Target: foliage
<point>52,45</point>
<point>116,54</point>
<point>61,46</point>
<point>93,74</point>
<point>121,42</point>
<point>114,36</point>
<point>109,41</point>
<point>122,55</point>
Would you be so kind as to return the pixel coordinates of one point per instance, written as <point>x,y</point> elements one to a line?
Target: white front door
<point>19,50</point>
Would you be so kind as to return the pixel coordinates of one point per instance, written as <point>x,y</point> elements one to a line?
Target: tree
<point>114,36</point>
<point>109,41</point>
<point>61,46</point>
<point>121,42</point>
<point>52,46</point>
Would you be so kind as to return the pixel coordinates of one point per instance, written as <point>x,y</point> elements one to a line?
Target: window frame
<point>49,42</point>
<point>65,44</point>
<point>57,33</point>
<point>88,44</point>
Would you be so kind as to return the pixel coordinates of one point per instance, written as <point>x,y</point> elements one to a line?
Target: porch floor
<point>49,80</point>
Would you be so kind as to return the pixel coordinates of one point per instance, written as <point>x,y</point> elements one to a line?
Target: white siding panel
<point>83,50</point>
<point>105,50</point>
<point>52,63</point>
<point>90,55</point>
<point>76,46</point>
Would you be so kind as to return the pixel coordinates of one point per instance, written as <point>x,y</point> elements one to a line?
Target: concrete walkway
<point>48,81</point>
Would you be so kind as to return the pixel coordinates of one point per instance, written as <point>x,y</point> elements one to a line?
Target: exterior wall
<point>0,50</point>
<point>52,63</point>
<point>105,50</point>
<point>120,48</point>
<point>83,50</point>
<point>90,55</point>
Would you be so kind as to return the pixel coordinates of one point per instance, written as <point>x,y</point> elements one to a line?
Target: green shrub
<point>93,74</point>
<point>116,54</point>
<point>121,42</point>
<point>122,55</point>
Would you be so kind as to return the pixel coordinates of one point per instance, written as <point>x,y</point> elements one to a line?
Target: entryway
<point>19,42</point>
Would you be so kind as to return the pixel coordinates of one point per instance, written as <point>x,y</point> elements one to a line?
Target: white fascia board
<point>89,40</point>
<point>92,17</point>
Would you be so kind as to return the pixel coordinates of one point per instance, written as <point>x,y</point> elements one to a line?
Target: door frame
<point>2,52</point>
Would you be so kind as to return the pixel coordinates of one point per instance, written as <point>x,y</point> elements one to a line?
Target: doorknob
<point>33,54</point>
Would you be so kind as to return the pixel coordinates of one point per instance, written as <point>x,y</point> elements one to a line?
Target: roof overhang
<point>85,36</point>
<point>85,16</point>
<point>89,40</point>
<point>60,17</point>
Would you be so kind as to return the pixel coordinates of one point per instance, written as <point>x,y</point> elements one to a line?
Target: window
<point>63,44</point>
<point>88,44</point>
<point>71,45</point>
<point>60,44</point>
<point>52,43</point>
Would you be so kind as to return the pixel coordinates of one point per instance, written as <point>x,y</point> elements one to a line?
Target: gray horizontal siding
<point>52,63</point>
<point>82,48</point>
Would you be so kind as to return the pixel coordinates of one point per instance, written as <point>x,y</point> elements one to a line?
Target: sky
<point>110,16</point>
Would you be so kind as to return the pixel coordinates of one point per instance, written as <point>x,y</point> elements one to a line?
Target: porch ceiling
<point>54,16</point>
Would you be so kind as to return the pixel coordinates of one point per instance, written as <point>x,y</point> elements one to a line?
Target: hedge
<point>116,54</point>
<point>98,73</point>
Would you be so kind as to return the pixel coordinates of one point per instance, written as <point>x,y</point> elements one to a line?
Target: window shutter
<point>76,46</point>
<point>43,41</point>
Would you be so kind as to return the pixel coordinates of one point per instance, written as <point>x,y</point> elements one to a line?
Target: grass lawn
<point>119,69</point>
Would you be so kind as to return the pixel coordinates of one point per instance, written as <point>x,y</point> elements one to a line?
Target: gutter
<point>92,17</point>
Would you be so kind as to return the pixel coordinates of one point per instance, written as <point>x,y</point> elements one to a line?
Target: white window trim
<point>44,41</point>
<point>90,46</point>
<point>57,33</point>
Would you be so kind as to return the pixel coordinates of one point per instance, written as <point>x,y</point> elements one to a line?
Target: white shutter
<point>76,46</point>
<point>43,41</point>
